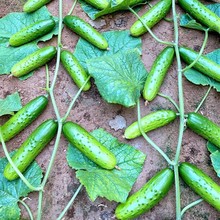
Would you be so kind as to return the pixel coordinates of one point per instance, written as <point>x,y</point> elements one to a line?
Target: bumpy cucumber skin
<point>75,69</point>
<point>31,147</point>
<point>201,183</point>
<point>151,17</point>
<point>201,13</point>
<point>89,146</point>
<point>150,122</point>
<point>33,61</point>
<point>32,32</point>
<point>86,31</point>
<point>147,197</point>
<point>23,117</point>
<point>33,5</point>
<point>157,74</point>
<point>204,64</point>
<point>99,4</point>
<point>204,127</point>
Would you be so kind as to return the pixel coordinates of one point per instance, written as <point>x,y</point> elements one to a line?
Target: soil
<point>92,112</point>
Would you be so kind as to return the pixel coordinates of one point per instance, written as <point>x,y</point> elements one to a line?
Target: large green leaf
<point>198,78</point>
<point>12,23</point>
<point>119,78</point>
<point>112,184</point>
<point>11,191</point>
<point>117,40</point>
<point>10,104</point>
<point>188,21</point>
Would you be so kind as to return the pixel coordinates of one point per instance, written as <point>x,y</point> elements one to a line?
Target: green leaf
<point>189,22</point>
<point>12,23</point>
<point>117,40</point>
<point>94,13</point>
<point>112,184</point>
<point>119,78</point>
<point>211,147</point>
<point>10,104</point>
<point>198,78</point>
<point>11,191</point>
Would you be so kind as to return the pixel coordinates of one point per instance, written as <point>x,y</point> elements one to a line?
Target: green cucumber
<point>150,122</point>
<point>33,5</point>
<point>75,69</point>
<point>33,61</point>
<point>201,183</point>
<point>204,64</point>
<point>88,145</point>
<point>30,148</point>
<point>147,197</point>
<point>86,31</point>
<point>23,117</point>
<point>157,73</point>
<point>151,17</point>
<point>201,13</point>
<point>99,4</point>
<point>204,127</point>
<point>32,32</point>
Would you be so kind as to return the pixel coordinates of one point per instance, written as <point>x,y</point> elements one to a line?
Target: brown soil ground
<point>92,112</point>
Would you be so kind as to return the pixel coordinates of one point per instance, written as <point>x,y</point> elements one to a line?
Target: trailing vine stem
<point>27,208</point>
<point>70,203</point>
<point>27,183</point>
<point>149,30</point>
<point>170,99</point>
<point>190,206</point>
<point>72,8</point>
<point>157,148</point>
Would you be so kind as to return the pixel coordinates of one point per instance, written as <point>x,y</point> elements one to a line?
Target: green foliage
<point>9,25</point>
<point>198,78</point>
<point>10,104</point>
<point>111,184</point>
<point>120,78</point>
<point>117,40</point>
<point>12,191</point>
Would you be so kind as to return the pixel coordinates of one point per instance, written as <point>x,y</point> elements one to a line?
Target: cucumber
<point>32,32</point>
<point>33,61</point>
<point>23,117</point>
<point>201,13</point>
<point>204,64</point>
<point>30,148</point>
<point>75,69</point>
<point>86,31</point>
<point>147,197</point>
<point>151,17</point>
<point>157,73</point>
<point>201,183</point>
<point>33,5</point>
<point>204,127</point>
<point>88,145</point>
<point>99,4</point>
<point>150,122</point>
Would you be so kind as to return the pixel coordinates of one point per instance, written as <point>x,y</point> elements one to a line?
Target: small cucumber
<point>88,145</point>
<point>204,127</point>
<point>99,4</point>
<point>33,61</point>
<point>23,117</point>
<point>31,147</point>
<point>201,13</point>
<point>32,32</point>
<point>151,17</point>
<point>201,183</point>
<point>147,197</point>
<point>86,31</point>
<point>33,5</point>
<point>150,122</point>
<point>75,69</point>
<point>204,64</point>
<point>157,74</point>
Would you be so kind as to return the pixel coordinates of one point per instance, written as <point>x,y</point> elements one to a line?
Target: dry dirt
<point>92,112</point>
